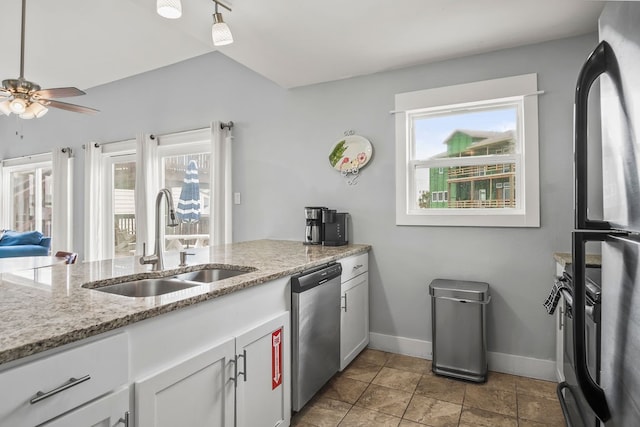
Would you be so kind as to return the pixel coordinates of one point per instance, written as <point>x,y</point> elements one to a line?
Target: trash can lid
<point>461,289</point>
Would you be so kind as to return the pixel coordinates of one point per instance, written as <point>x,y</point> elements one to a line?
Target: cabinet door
<point>109,411</point>
<point>196,392</point>
<point>263,395</point>
<point>354,321</point>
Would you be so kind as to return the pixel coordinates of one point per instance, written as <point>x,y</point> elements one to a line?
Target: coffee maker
<point>335,228</point>
<point>313,231</point>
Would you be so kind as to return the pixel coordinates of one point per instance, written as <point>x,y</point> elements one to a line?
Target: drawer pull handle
<point>356,267</point>
<point>71,383</point>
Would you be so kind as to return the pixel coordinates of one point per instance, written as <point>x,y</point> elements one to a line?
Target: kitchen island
<point>53,309</point>
<point>215,354</point>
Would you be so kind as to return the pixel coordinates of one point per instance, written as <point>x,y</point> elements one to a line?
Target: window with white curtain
<point>37,195</point>
<point>123,179</point>
<point>175,153</point>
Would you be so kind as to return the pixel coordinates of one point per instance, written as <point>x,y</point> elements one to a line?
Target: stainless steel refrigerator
<point>615,400</point>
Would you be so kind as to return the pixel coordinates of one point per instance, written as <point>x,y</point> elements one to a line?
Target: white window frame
<point>520,90</point>
<point>118,152</point>
<point>20,164</point>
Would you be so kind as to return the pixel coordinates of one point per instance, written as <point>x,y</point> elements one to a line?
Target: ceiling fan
<point>27,99</point>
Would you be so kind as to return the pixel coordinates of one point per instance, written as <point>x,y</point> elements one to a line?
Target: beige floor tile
<point>478,417</point>
<point>408,363</point>
<point>432,412</point>
<point>386,400</point>
<point>529,423</point>
<point>540,409</point>
<point>361,417</point>
<point>491,399</point>
<point>441,388</point>
<point>343,389</point>
<point>323,412</point>
<point>376,357</point>
<point>407,423</point>
<point>501,381</point>
<point>395,378</point>
<point>535,387</point>
<point>361,370</point>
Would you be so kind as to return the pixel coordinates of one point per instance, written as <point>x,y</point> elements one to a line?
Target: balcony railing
<point>470,204</point>
<point>483,170</point>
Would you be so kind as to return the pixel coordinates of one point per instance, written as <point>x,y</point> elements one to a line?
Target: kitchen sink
<point>210,275</point>
<point>165,285</point>
<point>147,287</point>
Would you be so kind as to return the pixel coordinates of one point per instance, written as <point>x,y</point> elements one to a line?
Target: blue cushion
<point>23,250</point>
<point>12,238</point>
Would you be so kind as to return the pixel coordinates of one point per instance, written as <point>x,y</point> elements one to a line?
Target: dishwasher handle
<point>309,279</point>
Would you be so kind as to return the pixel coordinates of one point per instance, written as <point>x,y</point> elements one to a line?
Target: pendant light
<point>220,32</point>
<point>170,9</point>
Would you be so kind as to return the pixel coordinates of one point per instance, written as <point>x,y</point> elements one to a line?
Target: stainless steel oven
<point>576,411</point>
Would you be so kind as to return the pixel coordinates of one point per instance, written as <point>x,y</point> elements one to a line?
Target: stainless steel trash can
<point>458,324</point>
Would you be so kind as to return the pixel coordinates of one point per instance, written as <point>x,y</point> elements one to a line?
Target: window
<point>28,194</point>
<point>460,142</point>
<point>192,230</point>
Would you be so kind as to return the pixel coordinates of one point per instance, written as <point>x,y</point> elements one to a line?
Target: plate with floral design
<point>351,153</point>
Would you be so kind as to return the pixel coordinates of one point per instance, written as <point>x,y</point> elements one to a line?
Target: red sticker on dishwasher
<point>276,359</point>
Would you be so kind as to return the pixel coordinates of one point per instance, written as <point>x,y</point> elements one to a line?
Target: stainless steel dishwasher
<point>315,326</point>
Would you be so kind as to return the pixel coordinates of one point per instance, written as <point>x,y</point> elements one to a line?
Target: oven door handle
<point>593,393</point>
<point>565,410</point>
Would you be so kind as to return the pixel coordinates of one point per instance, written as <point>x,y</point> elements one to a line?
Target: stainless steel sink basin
<point>146,287</point>
<point>210,275</point>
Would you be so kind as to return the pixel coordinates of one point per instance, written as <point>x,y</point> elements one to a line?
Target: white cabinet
<point>197,391</point>
<point>200,390</point>
<point>224,362</point>
<point>109,411</point>
<point>263,397</point>
<point>38,391</point>
<point>354,320</point>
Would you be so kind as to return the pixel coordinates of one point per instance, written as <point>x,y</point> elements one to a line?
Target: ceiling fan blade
<point>67,106</point>
<point>58,92</point>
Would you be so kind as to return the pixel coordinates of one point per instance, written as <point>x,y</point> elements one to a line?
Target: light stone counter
<point>47,307</point>
<point>564,259</point>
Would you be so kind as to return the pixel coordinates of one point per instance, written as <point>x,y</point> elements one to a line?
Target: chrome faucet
<point>156,258</point>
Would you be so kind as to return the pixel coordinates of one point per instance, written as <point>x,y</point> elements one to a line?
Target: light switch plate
<point>236,198</point>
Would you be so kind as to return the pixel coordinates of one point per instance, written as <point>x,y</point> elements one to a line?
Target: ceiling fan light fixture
<point>35,109</point>
<point>18,106</point>
<point>170,9</point>
<point>220,32</point>
<point>4,108</point>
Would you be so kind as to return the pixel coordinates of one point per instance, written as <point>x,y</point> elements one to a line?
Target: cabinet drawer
<point>47,387</point>
<point>354,265</point>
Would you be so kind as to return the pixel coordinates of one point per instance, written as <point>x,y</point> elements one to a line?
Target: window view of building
<point>124,214</point>
<point>472,186</point>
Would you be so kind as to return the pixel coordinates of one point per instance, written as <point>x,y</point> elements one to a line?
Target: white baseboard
<point>498,362</point>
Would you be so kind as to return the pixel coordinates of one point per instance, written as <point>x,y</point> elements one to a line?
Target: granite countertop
<point>44,308</point>
<point>564,259</point>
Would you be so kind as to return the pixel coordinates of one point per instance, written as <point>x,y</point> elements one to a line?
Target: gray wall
<point>282,140</point>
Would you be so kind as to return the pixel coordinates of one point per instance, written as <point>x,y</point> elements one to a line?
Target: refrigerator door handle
<point>593,393</point>
<point>598,62</point>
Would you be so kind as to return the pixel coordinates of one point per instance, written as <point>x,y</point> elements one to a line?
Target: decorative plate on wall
<point>350,154</point>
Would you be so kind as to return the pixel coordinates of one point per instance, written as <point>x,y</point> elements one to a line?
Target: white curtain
<point>62,215</point>
<point>147,186</point>
<point>220,173</point>
<point>94,213</point>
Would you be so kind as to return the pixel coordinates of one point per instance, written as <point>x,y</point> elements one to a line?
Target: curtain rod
<point>28,156</point>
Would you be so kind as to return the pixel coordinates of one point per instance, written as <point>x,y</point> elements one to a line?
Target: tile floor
<point>386,389</point>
